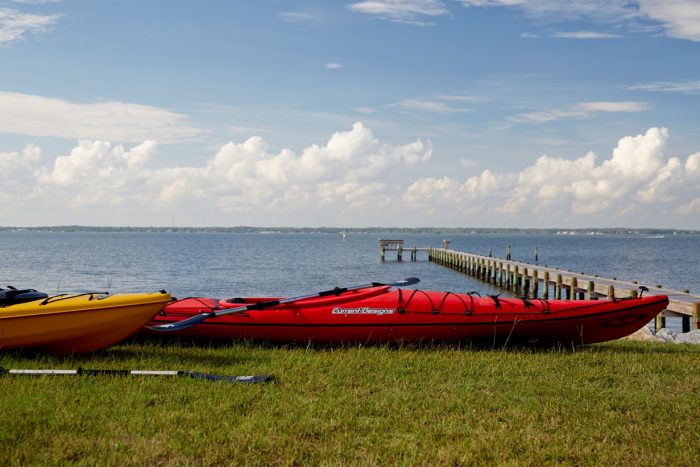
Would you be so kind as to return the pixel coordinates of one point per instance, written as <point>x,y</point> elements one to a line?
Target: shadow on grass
<point>188,353</point>
<point>173,353</point>
<point>619,346</point>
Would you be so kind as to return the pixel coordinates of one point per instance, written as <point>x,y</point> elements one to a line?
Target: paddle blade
<point>181,325</point>
<point>405,282</point>
<point>229,379</point>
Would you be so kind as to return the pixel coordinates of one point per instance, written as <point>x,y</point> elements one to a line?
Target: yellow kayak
<point>73,324</point>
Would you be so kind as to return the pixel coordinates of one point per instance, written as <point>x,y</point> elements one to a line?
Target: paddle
<point>190,373</point>
<point>196,319</point>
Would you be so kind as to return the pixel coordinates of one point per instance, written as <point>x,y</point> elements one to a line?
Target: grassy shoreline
<point>614,403</point>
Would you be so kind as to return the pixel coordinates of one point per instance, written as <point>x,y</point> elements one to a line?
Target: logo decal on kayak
<point>363,311</point>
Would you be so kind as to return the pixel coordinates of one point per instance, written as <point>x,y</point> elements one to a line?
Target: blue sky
<point>500,113</point>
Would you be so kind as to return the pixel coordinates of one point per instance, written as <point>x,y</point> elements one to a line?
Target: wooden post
<point>591,290</point>
<point>573,292</point>
<point>660,321</point>
<point>516,280</point>
<point>611,292</point>
<point>381,252</point>
<point>557,288</point>
<point>685,324</point>
<point>545,286</point>
<point>535,283</point>
<point>525,283</point>
<point>695,324</point>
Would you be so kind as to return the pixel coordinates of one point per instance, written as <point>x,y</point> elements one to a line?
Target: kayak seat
<point>235,300</point>
<point>12,296</point>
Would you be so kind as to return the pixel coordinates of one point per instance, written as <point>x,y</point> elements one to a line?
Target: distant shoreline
<point>364,230</point>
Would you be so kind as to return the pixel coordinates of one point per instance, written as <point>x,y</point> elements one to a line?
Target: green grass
<point>616,403</point>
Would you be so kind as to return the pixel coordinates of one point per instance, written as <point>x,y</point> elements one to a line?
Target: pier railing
<point>533,280</point>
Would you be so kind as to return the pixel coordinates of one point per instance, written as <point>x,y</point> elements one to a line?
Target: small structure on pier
<point>397,246</point>
<point>390,245</point>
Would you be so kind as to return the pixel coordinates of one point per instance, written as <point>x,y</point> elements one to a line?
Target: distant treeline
<point>373,230</point>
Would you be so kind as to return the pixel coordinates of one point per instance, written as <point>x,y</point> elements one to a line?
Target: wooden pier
<point>535,281</point>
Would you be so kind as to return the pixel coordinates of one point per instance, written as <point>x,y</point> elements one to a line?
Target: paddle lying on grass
<point>189,373</point>
<point>196,319</point>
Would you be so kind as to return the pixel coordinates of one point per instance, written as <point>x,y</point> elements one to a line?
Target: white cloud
<point>564,11</point>
<point>17,173</point>
<point>15,25</point>
<point>681,18</point>
<point>401,11</point>
<point>690,209</point>
<point>459,98</point>
<point>352,179</point>
<point>350,169</point>
<point>333,66</point>
<point>584,35</point>
<point>580,110</point>
<point>98,173</point>
<point>683,87</point>
<point>366,110</point>
<point>42,116</point>
<point>692,166</point>
<point>299,17</point>
<point>443,104</point>
<point>614,106</point>
<point>636,178</point>
<point>422,105</point>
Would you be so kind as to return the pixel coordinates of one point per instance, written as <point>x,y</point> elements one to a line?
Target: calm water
<point>228,264</point>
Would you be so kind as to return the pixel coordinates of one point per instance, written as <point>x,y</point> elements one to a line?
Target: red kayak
<point>382,314</point>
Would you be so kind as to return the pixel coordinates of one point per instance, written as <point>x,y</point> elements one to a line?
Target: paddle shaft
<point>325,293</point>
<point>196,319</point>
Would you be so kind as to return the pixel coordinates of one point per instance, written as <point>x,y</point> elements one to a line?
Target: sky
<point>350,113</point>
